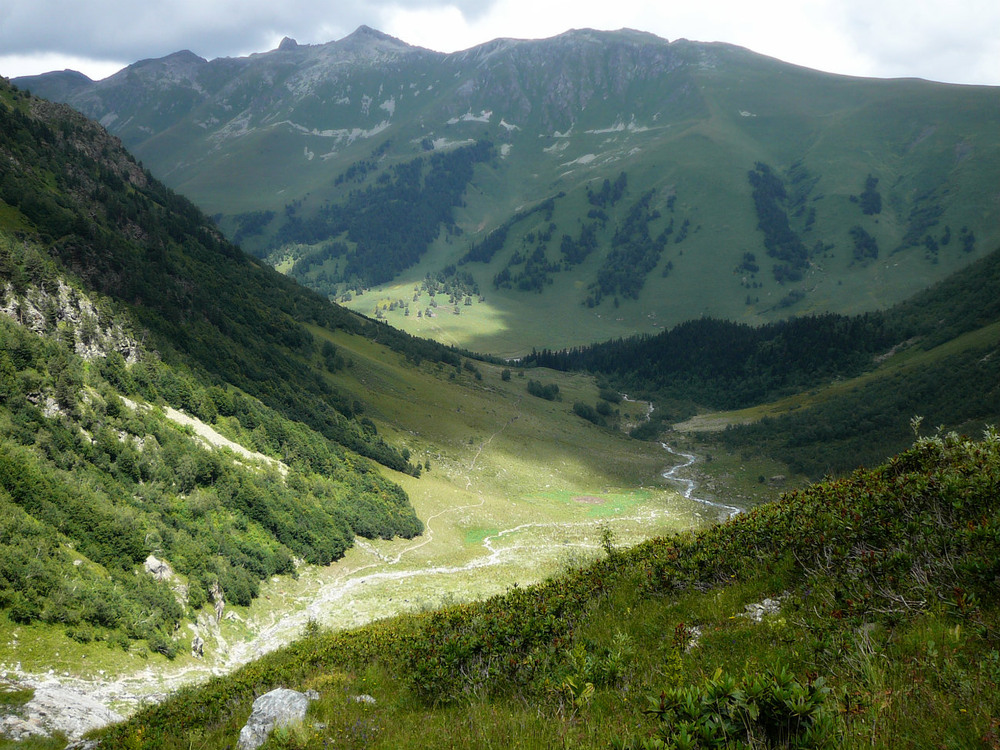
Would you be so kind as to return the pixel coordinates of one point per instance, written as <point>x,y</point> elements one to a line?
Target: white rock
<point>277,708</point>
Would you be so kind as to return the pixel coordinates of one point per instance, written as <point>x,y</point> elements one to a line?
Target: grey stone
<point>274,709</point>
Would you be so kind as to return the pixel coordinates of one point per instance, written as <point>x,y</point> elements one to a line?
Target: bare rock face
<point>158,569</point>
<point>277,708</point>
<point>57,709</point>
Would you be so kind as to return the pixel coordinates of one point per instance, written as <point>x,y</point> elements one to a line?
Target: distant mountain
<point>612,177</point>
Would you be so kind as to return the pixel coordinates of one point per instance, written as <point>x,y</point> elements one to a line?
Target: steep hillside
<point>121,306</point>
<point>855,613</point>
<point>609,176</point>
<point>186,443</point>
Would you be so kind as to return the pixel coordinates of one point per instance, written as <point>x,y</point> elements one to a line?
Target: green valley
<point>645,401</point>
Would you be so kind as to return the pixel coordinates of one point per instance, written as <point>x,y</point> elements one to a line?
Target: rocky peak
<point>287,44</point>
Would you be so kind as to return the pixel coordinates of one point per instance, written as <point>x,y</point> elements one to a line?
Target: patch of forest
<point>391,223</point>
<point>202,302</point>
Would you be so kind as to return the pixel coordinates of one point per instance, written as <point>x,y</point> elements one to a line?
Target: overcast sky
<point>957,41</point>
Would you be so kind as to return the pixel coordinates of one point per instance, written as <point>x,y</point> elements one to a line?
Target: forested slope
<point>931,356</point>
<point>119,300</point>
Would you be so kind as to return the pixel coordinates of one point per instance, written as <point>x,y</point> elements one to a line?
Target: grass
<point>902,632</point>
<point>519,489</point>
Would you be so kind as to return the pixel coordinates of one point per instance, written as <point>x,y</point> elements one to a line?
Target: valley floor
<point>486,529</point>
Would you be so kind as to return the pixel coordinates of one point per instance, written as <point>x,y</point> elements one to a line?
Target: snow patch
<point>483,116</point>
<point>308,154</point>
<point>504,150</point>
<point>389,105</point>
<point>445,143</point>
<point>555,148</point>
<point>620,127</point>
<point>507,125</point>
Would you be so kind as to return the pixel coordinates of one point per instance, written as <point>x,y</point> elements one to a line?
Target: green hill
<point>611,177</point>
<point>121,305</point>
<point>856,613</point>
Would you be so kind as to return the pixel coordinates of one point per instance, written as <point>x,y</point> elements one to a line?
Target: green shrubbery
<point>886,636</point>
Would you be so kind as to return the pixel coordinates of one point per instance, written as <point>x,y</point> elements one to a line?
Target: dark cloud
<point>128,30</point>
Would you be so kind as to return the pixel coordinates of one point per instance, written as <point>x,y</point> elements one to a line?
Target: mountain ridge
<point>287,136</point>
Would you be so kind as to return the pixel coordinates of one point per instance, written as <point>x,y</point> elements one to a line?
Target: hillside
<point>823,394</point>
<point>122,305</point>
<point>199,458</point>
<point>612,177</point>
<point>854,613</point>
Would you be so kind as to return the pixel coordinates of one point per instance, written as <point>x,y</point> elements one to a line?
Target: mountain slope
<point>120,304</point>
<point>777,189</point>
<point>854,613</point>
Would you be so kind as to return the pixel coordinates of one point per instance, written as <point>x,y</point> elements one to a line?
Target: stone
<point>277,708</point>
<point>198,647</point>
<point>54,708</point>
<point>158,569</point>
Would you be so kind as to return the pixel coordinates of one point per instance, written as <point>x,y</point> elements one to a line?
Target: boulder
<point>277,708</point>
<point>158,569</point>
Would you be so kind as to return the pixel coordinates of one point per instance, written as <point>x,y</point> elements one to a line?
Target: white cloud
<point>949,40</point>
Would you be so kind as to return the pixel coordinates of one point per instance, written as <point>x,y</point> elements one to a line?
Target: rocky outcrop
<point>278,708</point>
<point>158,569</point>
<point>55,708</point>
<point>70,314</point>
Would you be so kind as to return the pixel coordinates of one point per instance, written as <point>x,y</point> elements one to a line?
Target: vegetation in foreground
<point>859,612</point>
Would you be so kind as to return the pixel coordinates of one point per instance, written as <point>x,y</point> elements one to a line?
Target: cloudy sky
<point>957,41</point>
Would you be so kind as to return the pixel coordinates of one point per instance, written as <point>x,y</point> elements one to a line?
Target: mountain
<point>612,177</point>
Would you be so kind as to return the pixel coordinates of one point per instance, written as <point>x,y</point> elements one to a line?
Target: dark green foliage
<point>870,199</point>
<point>576,251</point>
<point>865,246</point>
<point>484,251</point>
<point>549,392</point>
<point>634,253</point>
<point>391,224</point>
<point>926,212</point>
<point>727,365</point>
<point>770,709</point>
<point>609,194</point>
<point>251,223</point>
<point>588,412</point>
<point>769,196</point>
<point>610,395</point>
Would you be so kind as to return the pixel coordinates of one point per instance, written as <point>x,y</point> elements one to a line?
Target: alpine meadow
<point>597,391</point>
